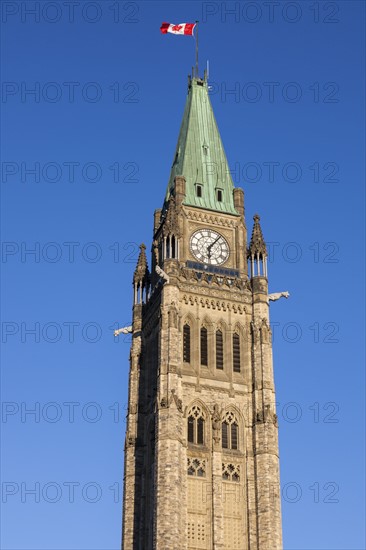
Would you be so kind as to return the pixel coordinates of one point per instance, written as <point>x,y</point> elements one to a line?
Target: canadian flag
<point>182,28</point>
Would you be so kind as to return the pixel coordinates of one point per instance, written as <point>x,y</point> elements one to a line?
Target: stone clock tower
<point>201,451</point>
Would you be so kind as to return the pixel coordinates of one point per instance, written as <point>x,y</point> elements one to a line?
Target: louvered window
<point>236,353</point>
<point>219,350</point>
<point>191,422</point>
<point>204,354</point>
<point>187,344</point>
<point>196,426</point>
<point>200,424</point>
<point>234,436</point>
<point>225,439</point>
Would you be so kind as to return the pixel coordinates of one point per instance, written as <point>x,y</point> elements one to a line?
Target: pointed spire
<point>171,224</point>
<point>257,245</point>
<point>141,274</point>
<point>200,155</point>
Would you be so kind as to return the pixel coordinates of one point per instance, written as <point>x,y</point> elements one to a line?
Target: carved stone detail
<point>216,425</point>
<point>196,466</point>
<point>170,219</point>
<point>231,472</point>
<point>155,250</point>
<point>162,273</point>
<point>277,295</point>
<point>178,402</point>
<point>210,219</point>
<point>266,416</point>
<point>231,295</point>
<point>173,316</point>
<point>164,403</point>
<point>214,279</point>
<point>220,305</point>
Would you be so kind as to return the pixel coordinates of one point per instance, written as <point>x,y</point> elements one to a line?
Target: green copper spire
<point>200,155</point>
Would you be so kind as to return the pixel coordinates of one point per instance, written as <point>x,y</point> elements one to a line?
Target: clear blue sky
<point>99,132</point>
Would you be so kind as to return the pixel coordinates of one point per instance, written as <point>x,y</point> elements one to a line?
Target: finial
<point>141,271</point>
<point>257,244</point>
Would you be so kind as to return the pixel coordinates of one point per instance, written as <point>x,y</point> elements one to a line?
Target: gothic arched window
<point>186,343</point>
<point>236,352</point>
<point>196,426</point>
<point>230,432</point>
<point>204,351</point>
<point>219,350</point>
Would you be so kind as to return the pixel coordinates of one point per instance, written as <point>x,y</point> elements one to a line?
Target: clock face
<point>209,247</point>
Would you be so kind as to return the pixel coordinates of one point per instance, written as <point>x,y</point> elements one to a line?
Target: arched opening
<point>236,352</point>
<point>204,347</point>
<point>186,343</point>
<point>230,432</point>
<point>219,350</point>
<point>196,426</point>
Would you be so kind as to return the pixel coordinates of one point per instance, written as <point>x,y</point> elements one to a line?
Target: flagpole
<point>197,48</point>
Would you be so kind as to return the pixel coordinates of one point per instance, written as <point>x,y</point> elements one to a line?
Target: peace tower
<point>201,450</point>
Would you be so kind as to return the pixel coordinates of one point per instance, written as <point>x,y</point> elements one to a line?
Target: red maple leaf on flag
<point>181,28</point>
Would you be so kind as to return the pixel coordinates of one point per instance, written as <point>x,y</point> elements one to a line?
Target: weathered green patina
<point>200,155</point>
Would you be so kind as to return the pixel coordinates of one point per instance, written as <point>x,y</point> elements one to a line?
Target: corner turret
<point>257,251</point>
<point>141,278</point>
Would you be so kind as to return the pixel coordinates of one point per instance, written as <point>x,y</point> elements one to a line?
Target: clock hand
<point>211,245</point>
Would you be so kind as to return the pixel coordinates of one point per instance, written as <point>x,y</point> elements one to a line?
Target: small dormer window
<point>219,195</point>
<point>198,190</point>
